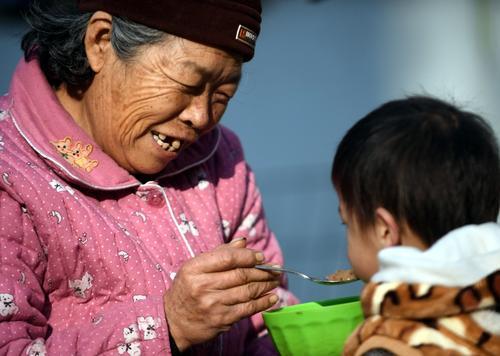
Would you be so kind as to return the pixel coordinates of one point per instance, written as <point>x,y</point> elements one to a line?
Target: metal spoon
<point>305,276</point>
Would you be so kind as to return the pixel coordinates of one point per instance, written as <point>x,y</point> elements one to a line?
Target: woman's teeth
<point>161,140</point>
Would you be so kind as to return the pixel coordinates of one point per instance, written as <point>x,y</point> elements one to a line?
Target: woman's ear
<point>387,228</point>
<point>98,39</point>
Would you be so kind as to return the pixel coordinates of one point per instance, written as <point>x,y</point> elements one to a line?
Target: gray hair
<point>56,40</point>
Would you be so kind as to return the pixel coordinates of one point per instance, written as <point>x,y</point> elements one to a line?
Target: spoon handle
<point>324,281</point>
<point>281,269</point>
<point>271,268</point>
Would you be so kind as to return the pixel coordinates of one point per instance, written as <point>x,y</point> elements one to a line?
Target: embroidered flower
<point>37,348</point>
<point>132,348</point>
<point>3,114</point>
<point>226,227</point>
<point>131,333</point>
<point>7,305</point>
<point>80,286</point>
<point>131,345</point>
<point>148,326</point>
<point>57,186</point>
<point>187,226</point>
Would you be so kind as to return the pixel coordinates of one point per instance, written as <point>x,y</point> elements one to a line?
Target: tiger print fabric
<point>420,319</point>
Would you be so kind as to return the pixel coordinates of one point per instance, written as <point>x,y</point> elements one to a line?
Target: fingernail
<point>276,272</point>
<point>259,256</point>
<point>273,299</point>
<point>239,239</point>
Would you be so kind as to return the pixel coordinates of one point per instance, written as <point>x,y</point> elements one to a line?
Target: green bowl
<point>314,328</point>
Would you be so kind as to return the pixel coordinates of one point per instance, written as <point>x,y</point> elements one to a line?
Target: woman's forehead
<point>206,61</point>
<point>233,75</point>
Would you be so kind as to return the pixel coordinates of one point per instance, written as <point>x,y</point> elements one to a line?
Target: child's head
<point>411,171</point>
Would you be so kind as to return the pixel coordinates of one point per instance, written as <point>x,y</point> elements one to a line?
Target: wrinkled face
<point>144,112</point>
<point>361,247</point>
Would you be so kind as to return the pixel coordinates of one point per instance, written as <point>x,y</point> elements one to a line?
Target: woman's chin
<point>152,161</point>
<point>150,169</point>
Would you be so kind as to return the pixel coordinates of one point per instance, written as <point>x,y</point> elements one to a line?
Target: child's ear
<point>386,228</point>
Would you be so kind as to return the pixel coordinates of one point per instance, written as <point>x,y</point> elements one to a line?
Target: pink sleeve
<point>259,237</point>
<point>25,327</point>
<point>242,211</point>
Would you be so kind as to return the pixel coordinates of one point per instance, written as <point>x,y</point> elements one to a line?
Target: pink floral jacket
<point>87,251</point>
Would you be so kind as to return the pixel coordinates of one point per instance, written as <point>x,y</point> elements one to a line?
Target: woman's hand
<point>216,289</point>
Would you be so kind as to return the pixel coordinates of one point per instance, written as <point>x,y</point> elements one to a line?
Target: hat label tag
<point>247,36</point>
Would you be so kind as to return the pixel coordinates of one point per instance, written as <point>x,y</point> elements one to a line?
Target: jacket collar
<point>43,122</point>
<point>459,258</point>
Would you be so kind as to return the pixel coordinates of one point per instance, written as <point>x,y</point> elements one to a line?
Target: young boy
<point>418,182</point>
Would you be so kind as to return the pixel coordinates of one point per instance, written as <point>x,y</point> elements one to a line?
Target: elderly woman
<point>130,222</point>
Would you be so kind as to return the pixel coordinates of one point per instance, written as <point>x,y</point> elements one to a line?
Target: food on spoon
<point>342,275</point>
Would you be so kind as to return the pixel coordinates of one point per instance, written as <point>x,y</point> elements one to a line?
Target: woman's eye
<point>221,98</point>
<point>192,89</point>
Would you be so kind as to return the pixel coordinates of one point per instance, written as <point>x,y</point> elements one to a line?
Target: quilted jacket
<point>87,251</point>
<point>441,301</point>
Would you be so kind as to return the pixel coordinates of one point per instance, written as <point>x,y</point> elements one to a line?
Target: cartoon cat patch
<point>76,153</point>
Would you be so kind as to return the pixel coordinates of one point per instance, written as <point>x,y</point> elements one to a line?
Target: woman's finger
<point>247,292</point>
<point>238,242</point>
<point>225,259</point>
<point>225,315</point>
<point>249,308</point>
<point>239,276</point>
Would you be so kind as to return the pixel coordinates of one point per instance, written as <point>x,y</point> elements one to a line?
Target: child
<point>418,182</point>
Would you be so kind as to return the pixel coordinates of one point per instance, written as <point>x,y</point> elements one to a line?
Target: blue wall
<point>320,66</point>
<point>11,31</point>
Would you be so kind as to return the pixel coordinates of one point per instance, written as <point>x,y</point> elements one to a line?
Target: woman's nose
<point>198,113</point>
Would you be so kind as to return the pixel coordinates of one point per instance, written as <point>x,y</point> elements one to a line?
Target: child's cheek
<point>353,257</point>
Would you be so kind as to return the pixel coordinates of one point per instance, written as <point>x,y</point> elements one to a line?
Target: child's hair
<point>430,164</point>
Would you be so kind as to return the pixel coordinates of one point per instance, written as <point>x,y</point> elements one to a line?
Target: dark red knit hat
<point>232,25</point>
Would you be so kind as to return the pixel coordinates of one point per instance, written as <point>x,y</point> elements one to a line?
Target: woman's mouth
<point>167,143</point>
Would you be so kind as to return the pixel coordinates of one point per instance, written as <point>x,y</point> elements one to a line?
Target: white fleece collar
<point>460,258</point>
